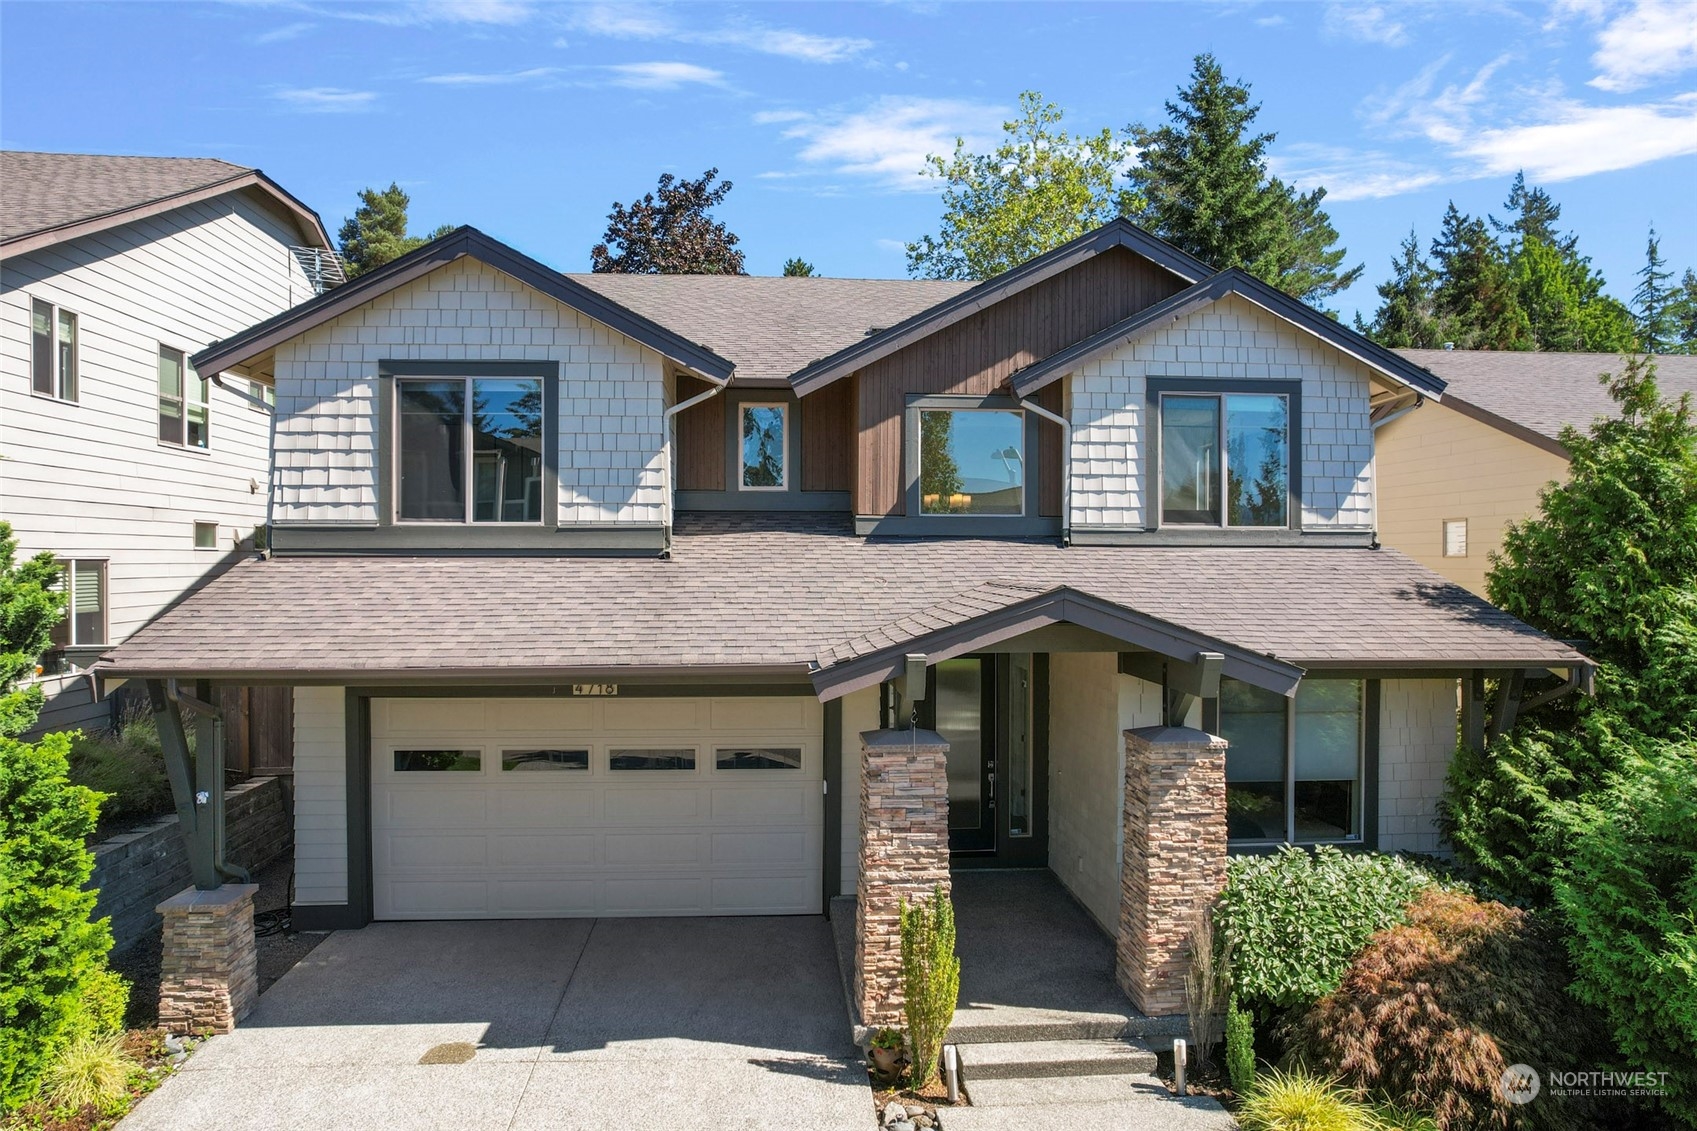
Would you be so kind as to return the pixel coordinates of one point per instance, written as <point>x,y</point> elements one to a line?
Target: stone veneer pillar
<point>1175,857</point>
<point>209,972</point>
<point>904,854</point>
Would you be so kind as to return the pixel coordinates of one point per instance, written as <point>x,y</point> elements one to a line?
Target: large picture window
<point>764,450</point>
<point>1225,459</point>
<point>971,461</point>
<point>1294,767</point>
<point>53,351</point>
<point>469,449</point>
<point>184,402</point>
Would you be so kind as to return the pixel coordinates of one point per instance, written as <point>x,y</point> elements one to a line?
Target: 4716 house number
<point>602,689</point>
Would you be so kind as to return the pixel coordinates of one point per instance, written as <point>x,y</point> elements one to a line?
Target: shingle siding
<point>1417,735</point>
<point>612,395</point>
<point>1231,340</point>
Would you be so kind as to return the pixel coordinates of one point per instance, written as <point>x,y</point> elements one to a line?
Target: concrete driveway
<point>593,1024</point>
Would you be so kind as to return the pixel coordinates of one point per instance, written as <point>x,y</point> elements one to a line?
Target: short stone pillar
<point>904,854</point>
<point>1175,858</point>
<point>209,971</point>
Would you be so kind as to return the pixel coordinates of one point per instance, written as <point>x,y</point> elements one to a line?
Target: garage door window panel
<point>651,758</point>
<point>545,760</point>
<point>438,761</point>
<point>757,758</point>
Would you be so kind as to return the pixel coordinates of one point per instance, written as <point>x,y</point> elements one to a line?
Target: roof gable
<point>48,198</point>
<point>465,241</point>
<point>1233,281</point>
<point>1115,234</point>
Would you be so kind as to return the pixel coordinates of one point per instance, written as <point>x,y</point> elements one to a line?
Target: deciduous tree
<point>669,232</point>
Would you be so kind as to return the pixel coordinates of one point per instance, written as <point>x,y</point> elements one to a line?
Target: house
<point>1453,475</point>
<point>141,472</point>
<point>609,595</point>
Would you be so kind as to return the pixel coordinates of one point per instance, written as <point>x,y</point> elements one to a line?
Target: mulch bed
<point>1207,1079</point>
<point>931,1100</point>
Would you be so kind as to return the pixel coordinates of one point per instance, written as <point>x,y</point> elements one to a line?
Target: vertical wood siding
<point>827,428</point>
<point>978,354</point>
<point>700,438</point>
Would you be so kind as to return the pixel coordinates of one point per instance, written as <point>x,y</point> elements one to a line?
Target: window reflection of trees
<point>762,446</point>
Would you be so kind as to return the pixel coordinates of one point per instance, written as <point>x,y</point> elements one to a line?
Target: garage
<point>602,805</point>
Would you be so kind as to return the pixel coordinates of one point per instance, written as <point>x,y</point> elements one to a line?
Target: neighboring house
<point>115,453</point>
<point>1455,473</point>
<point>610,595</point>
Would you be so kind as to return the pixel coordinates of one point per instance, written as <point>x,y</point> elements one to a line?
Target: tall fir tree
<point>1475,298</point>
<point>377,231</point>
<point>1652,301</point>
<point>1201,183</point>
<point>1682,311</point>
<point>798,268</point>
<point>1406,318</point>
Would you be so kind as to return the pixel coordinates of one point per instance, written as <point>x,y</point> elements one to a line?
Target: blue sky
<point>530,119</point>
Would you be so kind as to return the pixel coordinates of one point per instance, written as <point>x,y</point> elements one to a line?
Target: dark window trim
<point>393,535</point>
<point>790,498</point>
<point>913,523</point>
<point>1222,387</point>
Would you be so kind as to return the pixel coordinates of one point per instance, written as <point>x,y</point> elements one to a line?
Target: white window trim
<point>54,310</point>
<point>183,403</point>
<point>1360,834</point>
<point>783,483</point>
<point>1444,538</point>
<point>467,469</point>
<point>1225,522</point>
<point>1024,461</point>
<point>104,568</point>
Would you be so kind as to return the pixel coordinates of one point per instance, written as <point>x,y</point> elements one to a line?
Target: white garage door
<point>535,808</point>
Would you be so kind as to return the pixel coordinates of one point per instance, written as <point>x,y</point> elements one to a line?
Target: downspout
<point>270,451</point>
<point>718,386</point>
<point>1066,464</point>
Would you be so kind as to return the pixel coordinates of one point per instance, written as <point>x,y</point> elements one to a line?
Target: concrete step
<point>1031,1060</point>
<point>1048,1090</point>
<point>1000,1024</point>
<point>1195,1113</point>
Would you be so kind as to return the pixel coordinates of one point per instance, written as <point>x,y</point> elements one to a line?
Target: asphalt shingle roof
<point>772,326</point>
<point>743,591</point>
<point>41,191</point>
<point>1543,391</point>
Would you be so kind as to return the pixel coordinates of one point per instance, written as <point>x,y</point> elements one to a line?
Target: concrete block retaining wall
<point>139,870</point>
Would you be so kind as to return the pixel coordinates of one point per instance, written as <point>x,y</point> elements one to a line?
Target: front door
<point>984,706</point>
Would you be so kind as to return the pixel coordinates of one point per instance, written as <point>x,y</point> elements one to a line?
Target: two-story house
<point>1455,474</point>
<point>617,595</point>
<point>141,472</point>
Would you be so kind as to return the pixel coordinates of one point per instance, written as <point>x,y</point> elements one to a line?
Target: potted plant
<point>886,1050</point>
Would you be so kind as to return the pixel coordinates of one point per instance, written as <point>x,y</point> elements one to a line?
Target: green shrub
<point>1297,1101</point>
<point>1432,1011</point>
<point>31,603</point>
<point>1295,919</point>
<point>89,1070</point>
<point>128,767</point>
<point>1628,893</point>
<point>50,953</point>
<point>104,1002</point>
<point>1240,1048</point>
<point>930,980</point>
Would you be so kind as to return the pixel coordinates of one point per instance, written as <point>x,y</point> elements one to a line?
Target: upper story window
<point>53,351</point>
<point>1294,767</point>
<point>469,449</point>
<point>1225,459</point>
<point>84,582</point>
<point>764,450</point>
<point>184,402</point>
<point>971,461</point>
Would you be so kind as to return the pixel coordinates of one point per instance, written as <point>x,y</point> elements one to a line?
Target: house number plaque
<point>596,689</point>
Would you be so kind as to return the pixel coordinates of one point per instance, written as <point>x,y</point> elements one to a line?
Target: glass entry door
<point>962,701</point>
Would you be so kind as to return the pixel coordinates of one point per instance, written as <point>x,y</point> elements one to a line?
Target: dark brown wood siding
<point>976,356</point>
<point>701,439</point>
<point>1049,452</point>
<point>827,431</point>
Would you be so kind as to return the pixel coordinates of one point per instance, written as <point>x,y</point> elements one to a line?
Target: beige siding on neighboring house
<point>321,795</point>
<point>1090,707</point>
<point>1436,464</point>
<point>1233,339</point>
<point>1417,735</point>
<point>612,395</point>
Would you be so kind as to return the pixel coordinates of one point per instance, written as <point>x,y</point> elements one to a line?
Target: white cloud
<point>462,78</point>
<point>425,12</point>
<point>1576,140</point>
<point>1364,23</point>
<point>662,75</point>
<point>287,31</point>
<point>1349,174</point>
<point>889,140</point>
<point>773,117</point>
<point>633,22</point>
<point>1654,39</point>
<point>326,99</point>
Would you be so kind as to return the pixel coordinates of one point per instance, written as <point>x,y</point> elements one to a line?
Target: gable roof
<point>463,241</point>
<point>1114,234</point>
<point>1535,395</point>
<point>1232,281</point>
<point>48,198</point>
<point>772,326</point>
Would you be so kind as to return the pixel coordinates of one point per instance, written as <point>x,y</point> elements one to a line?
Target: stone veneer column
<point>209,972</point>
<point>1175,857</point>
<point>904,854</point>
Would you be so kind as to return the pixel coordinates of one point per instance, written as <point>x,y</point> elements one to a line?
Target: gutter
<point>1066,464</point>
<point>670,490</point>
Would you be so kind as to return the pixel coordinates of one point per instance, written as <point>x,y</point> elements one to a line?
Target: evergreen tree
<point>1475,298</point>
<point>1533,215</point>
<point>672,234</point>
<point>798,268</point>
<point>1653,300</point>
<point>1406,318</point>
<point>1201,183</point>
<point>377,231</point>
<point>1040,187</point>
<point>1682,312</point>
<point>31,604</point>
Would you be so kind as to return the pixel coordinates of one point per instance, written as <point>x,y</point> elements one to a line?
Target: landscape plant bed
<point>922,1106</point>
<point>155,1060</point>
<point>1207,1079</point>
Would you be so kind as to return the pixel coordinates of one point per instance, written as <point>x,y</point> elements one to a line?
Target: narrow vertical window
<point>1190,460</point>
<point>53,351</point>
<point>170,395</point>
<point>1327,760</point>
<point>1257,475</point>
<point>1253,721</point>
<point>432,450</point>
<point>506,450</point>
<point>84,584</point>
<point>198,392</point>
<point>765,462</point>
<point>41,347</point>
<point>67,356</point>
